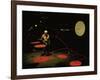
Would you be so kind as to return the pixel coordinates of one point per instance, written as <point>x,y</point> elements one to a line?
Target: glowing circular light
<point>40,46</point>
<point>75,63</point>
<point>62,56</point>
<point>41,59</point>
<point>80,28</point>
<point>45,31</point>
<point>35,25</point>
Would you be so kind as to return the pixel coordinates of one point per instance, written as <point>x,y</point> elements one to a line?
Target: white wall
<point>5,32</point>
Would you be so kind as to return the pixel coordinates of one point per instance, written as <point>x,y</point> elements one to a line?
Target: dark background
<point>54,22</point>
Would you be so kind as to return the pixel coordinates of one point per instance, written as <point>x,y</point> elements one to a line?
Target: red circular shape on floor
<point>40,46</point>
<point>36,42</point>
<point>75,63</point>
<point>62,56</point>
<point>41,59</point>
